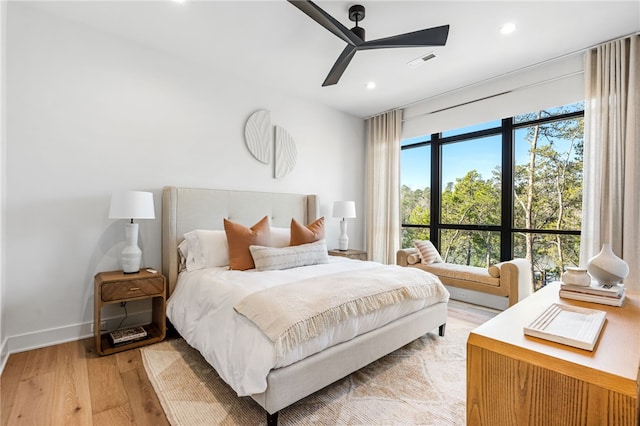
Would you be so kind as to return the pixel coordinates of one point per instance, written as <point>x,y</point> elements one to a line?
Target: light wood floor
<point>69,384</point>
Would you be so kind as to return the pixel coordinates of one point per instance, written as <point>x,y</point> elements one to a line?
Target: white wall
<point>88,114</point>
<point>3,131</point>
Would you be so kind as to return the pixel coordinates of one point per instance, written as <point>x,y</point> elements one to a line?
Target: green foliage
<point>547,196</point>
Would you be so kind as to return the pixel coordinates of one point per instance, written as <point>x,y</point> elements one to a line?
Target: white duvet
<point>201,309</point>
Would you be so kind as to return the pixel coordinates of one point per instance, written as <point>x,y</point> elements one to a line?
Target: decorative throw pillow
<point>301,234</point>
<point>206,248</point>
<point>428,252</point>
<point>274,258</point>
<point>240,237</point>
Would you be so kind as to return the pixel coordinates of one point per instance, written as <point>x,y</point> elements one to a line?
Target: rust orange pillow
<point>240,237</point>
<point>301,234</point>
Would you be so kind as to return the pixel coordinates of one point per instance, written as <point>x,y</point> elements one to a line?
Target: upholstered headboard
<point>186,209</point>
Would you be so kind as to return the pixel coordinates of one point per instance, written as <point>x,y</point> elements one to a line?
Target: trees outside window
<point>498,190</point>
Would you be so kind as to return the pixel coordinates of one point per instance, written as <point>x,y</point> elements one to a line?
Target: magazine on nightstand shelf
<point>121,337</point>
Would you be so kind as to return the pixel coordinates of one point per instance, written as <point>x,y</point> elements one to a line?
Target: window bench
<point>510,279</point>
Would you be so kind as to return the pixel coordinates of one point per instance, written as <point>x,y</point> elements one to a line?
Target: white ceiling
<point>273,43</point>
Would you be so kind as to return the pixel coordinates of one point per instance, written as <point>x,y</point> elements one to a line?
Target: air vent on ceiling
<point>421,60</point>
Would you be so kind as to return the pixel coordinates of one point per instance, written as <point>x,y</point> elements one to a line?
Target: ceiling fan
<point>355,37</point>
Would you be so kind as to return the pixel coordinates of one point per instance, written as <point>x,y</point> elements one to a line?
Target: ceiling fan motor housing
<point>359,31</point>
<point>356,14</point>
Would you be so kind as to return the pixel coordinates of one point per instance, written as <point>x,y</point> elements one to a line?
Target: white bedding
<point>201,309</point>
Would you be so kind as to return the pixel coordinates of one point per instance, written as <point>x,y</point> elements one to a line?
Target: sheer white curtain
<point>383,186</point>
<point>611,203</point>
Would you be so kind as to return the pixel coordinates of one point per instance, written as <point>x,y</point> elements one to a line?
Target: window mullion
<point>506,238</point>
<point>436,189</point>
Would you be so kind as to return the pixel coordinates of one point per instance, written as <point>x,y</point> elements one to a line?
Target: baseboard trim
<point>70,333</point>
<point>478,298</point>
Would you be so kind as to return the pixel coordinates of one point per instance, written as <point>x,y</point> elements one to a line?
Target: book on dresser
<point>596,293</point>
<point>569,325</point>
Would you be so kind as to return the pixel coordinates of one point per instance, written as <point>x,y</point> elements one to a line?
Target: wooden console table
<point>513,379</point>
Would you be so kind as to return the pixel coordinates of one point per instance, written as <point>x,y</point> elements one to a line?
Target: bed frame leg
<point>441,330</point>
<point>272,419</point>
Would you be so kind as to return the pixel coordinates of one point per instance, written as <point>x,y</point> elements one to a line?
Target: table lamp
<point>131,205</point>
<point>344,210</point>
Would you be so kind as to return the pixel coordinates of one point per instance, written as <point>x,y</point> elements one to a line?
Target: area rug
<point>422,383</point>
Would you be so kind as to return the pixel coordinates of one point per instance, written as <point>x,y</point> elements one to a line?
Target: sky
<point>482,155</point>
<point>458,158</point>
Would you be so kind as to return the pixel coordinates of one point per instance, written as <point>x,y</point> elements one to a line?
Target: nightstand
<point>351,254</point>
<point>118,287</point>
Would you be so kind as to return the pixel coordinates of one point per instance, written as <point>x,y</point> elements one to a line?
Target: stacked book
<point>596,293</point>
<point>129,335</point>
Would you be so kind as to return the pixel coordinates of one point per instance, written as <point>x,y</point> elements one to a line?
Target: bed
<point>188,209</point>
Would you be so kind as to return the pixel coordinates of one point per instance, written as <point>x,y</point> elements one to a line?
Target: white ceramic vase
<point>606,267</point>
<point>576,276</point>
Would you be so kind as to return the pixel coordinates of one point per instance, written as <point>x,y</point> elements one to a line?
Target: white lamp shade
<point>132,205</point>
<point>344,209</point>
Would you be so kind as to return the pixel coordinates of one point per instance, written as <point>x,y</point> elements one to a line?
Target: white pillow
<point>183,252</point>
<point>206,249</point>
<point>280,237</point>
<point>273,258</point>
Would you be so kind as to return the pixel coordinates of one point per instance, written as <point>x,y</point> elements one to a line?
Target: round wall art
<point>269,143</point>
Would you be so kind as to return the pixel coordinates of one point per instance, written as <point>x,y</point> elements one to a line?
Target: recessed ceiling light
<point>179,1</point>
<point>371,85</point>
<point>508,28</point>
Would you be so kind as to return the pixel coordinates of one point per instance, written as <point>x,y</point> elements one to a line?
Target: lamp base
<point>343,240</point>
<point>131,255</point>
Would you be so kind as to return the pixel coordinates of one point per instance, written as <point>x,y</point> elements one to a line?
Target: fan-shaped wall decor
<point>286,154</point>
<point>257,135</point>
<point>259,138</point>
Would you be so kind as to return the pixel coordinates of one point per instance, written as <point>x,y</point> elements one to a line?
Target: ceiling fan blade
<point>341,64</point>
<point>436,36</point>
<point>329,22</point>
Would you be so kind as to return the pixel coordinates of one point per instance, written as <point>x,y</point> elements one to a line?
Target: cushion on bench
<point>462,272</point>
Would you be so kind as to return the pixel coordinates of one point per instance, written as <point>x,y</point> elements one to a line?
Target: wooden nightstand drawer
<point>118,290</point>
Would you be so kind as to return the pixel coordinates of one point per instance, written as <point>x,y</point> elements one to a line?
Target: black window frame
<point>505,229</point>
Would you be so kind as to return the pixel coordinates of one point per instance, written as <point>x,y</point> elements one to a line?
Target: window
<point>416,191</point>
<point>497,190</point>
<point>470,191</point>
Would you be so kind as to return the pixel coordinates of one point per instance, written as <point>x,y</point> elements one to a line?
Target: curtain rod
<point>478,83</point>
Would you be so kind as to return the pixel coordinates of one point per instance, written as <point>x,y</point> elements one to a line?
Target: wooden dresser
<point>513,379</point>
